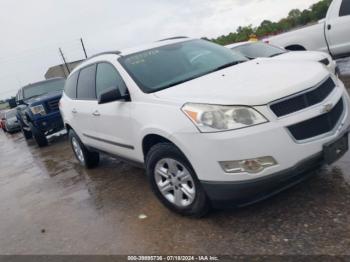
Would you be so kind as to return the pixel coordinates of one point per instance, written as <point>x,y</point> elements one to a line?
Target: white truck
<point>331,35</point>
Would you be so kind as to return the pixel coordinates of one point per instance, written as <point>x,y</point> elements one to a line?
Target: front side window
<point>259,49</point>
<point>70,89</point>
<point>43,88</point>
<point>170,65</point>
<point>345,8</point>
<point>107,77</point>
<point>86,83</point>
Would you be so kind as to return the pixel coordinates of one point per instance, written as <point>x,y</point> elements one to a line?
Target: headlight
<point>213,118</point>
<point>36,110</point>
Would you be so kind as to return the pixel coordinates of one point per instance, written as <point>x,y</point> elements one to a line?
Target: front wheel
<point>39,136</point>
<point>87,158</point>
<point>174,181</point>
<point>27,134</point>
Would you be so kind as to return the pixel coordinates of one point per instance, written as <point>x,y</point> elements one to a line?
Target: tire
<point>86,158</point>
<point>39,137</point>
<point>27,134</point>
<point>178,180</point>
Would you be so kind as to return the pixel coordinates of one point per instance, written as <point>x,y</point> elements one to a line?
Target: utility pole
<point>82,44</point>
<point>64,60</point>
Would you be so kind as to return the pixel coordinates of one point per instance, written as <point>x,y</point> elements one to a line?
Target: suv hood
<point>252,83</point>
<point>42,98</point>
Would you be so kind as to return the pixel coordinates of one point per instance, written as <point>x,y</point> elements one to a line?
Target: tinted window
<point>258,49</point>
<point>170,65</point>
<point>345,8</point>
<point>107,77</point>
<point>70,89</point>
<point>86,83</point>
<point>41,88</point>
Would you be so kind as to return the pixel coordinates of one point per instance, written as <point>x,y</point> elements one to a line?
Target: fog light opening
<point>251,166</point>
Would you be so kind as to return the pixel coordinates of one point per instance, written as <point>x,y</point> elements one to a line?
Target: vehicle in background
<point>38,111</point>
<point>254,50</point>
<point>210,127</point>
<point>329,35</point>
<point>11,122</point>
<point>2,120</point>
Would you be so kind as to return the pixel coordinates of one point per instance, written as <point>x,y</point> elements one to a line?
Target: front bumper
<point>50,123</point>
<point>242,193</point>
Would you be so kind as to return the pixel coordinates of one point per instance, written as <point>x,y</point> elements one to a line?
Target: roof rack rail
<point>172,38</point>
<point>105,53</point>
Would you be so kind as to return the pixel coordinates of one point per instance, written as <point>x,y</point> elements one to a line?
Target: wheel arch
<point>152,139</point>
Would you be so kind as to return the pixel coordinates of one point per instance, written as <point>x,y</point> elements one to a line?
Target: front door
<point>114,128</point>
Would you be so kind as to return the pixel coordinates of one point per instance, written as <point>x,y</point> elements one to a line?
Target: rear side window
<point>107,77</point>
<point>70,89</point>
<point>86,83</point>
<point>345,8</point>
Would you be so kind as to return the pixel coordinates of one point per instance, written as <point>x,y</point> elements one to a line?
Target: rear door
<point>114,125</point>
<point>85,105</point>
<point>338,27</point>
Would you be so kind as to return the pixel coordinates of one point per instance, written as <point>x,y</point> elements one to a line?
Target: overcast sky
<point>31,31</point>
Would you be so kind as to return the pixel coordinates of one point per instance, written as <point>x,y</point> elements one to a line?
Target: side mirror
<point>113,94</point>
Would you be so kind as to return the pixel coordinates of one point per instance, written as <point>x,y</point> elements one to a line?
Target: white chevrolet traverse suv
<point>211,128</point>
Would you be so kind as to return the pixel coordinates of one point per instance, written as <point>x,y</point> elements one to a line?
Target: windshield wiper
<point>180,82</point>
<point>276,54</point>
<point>228,65</point>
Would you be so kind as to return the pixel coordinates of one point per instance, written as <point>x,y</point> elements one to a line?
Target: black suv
<point>38,111</point>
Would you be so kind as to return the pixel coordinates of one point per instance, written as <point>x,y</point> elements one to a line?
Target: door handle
<point>96,113</point>
<point>329,27</point>
<point>74,111</point>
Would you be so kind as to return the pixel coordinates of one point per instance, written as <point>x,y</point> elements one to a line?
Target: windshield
<point>169,65</point>
<point>43,88</point>
<point>11,114</point>
<point>259,49</point>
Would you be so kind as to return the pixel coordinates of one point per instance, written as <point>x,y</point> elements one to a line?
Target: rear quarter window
<point>70,88</point>
<point>86,83</point>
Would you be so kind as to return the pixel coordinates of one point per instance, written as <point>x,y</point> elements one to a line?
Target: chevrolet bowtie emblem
<point>327,108</point>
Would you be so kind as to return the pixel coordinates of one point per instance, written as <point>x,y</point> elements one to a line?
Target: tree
<point>295,18</point>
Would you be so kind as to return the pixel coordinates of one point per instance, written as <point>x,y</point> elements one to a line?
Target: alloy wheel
<point>78,151</point>
<point>175,182</point>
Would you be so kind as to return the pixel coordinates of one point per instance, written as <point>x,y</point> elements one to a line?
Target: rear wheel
<point>174,181</point>
<point>39,136</point>
<point>87,158</point>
